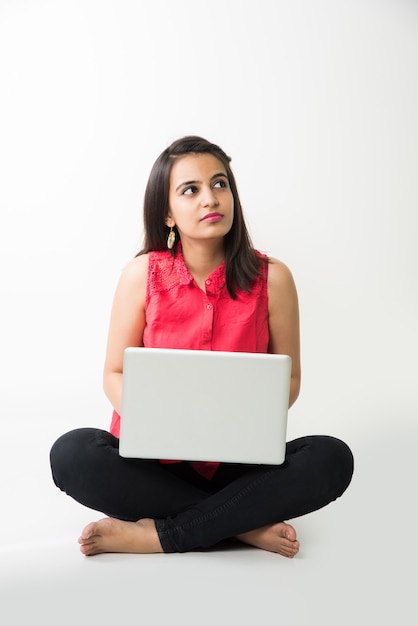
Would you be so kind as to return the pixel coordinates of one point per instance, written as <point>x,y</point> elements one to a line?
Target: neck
<point>202,258</point>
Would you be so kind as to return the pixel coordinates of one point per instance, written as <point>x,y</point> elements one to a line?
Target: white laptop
<point>198,405</point>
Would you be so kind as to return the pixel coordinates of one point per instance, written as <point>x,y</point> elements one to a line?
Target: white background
<point>316,102</point>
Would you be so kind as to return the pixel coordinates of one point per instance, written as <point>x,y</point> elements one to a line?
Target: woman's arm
<point>283,312</point>
<point>127,322</point>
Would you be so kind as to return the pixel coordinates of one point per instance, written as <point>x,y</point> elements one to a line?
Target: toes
<point>89,549</point>
<point>86,542</point>
<point>290,550</point>
<point>89,531</point>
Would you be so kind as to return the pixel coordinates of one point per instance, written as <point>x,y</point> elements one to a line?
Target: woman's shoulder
<point>277,264</point>
<point>132,283</point>
<point>134,274</point>
<point>279,275</point>
<point>137,267</point>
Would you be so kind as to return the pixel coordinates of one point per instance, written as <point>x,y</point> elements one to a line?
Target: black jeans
<point>189,511</point>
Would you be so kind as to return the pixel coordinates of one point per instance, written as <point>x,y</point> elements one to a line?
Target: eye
<point>188,191</point>
<point>220,184</point>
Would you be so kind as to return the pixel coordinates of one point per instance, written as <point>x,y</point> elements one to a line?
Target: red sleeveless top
<point>180,315</point>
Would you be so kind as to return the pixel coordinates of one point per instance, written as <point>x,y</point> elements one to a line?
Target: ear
<point>169,221</point>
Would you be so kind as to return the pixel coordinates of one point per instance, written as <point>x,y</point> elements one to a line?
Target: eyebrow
<point>199,182</point>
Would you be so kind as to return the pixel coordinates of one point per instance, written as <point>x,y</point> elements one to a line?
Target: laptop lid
<point>198,405</point>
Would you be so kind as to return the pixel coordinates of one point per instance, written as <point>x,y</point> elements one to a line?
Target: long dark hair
<point>242,263</point>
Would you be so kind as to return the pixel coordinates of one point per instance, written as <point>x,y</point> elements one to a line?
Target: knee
<point>70,452</point>
<point>61,456</point>
<point>340,462</point>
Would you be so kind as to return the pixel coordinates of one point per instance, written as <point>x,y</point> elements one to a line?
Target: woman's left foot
<point>279,538</point>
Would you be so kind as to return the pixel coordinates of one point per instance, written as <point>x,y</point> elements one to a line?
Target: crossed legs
<point>155,508</point>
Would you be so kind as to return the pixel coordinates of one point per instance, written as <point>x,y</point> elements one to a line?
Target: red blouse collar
<point>216,278</point>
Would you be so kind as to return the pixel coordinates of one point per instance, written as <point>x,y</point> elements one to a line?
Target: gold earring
<point>171,239</point>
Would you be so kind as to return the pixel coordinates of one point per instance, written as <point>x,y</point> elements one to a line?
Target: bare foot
<point>280,538</point>
<point>113,535</point>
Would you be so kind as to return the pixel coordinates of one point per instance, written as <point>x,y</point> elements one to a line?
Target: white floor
<point>356,564</point>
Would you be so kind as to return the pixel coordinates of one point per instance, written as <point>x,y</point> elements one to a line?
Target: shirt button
<point>208,282</point>
<point>208,306</point>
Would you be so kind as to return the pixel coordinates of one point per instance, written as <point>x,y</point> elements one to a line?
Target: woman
<point>197,251</point>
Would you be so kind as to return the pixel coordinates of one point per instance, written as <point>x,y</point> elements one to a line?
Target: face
<point>200,199</point>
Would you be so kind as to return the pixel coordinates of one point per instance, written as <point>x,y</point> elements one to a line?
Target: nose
<point>209,197</point>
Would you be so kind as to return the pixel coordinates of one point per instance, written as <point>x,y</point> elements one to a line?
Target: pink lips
<point>212,217</point>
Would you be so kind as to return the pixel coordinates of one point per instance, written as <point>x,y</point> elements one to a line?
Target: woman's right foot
<point>113,535</point>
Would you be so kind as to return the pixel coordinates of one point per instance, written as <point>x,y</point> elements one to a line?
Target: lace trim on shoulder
<point>165,271</point>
